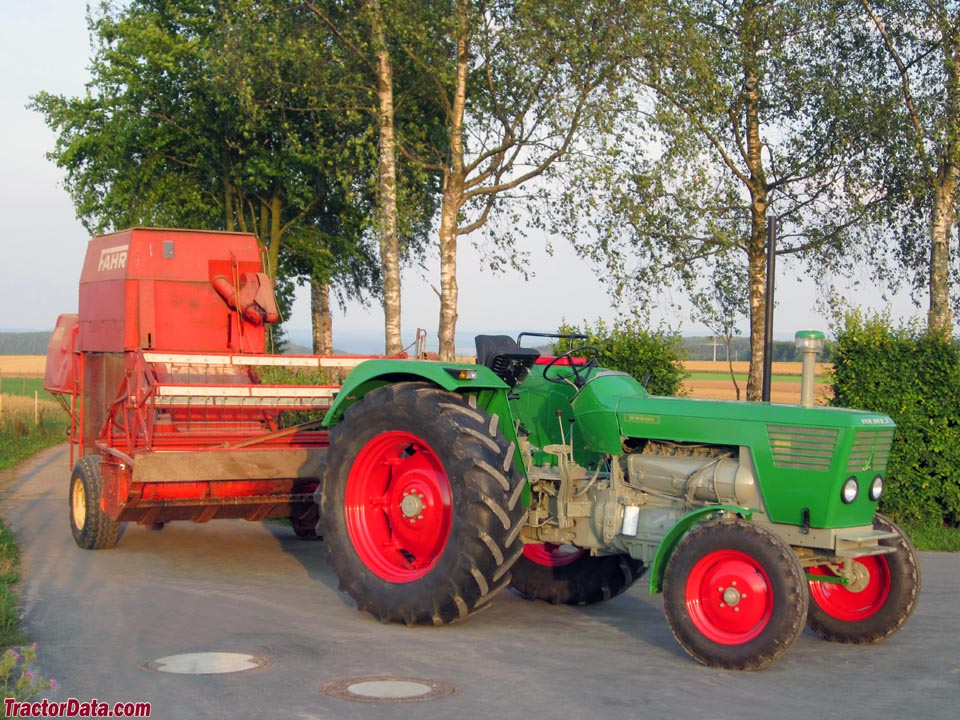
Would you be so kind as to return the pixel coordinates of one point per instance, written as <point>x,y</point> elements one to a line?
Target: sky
<point>44,45</point>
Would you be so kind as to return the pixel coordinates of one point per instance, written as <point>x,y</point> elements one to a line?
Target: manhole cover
<point>207,663</point>
<point>388,689</point>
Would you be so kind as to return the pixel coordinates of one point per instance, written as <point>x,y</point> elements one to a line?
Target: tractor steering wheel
<point>579,373</point>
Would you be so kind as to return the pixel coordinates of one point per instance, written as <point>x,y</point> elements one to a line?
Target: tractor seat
<point>509,361</point>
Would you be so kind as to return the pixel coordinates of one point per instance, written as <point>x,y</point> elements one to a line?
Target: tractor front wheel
<point>568,575</point>
<point>420,504</point>
<point>735,595</point>
<point>881,598</point>
<point>92,528</point>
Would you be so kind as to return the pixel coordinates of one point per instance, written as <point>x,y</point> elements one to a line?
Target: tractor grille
<point>802,448</point>
<point>870,451</point>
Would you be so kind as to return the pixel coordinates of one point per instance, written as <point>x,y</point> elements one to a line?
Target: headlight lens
<point>876,488</point>
<point>851,488</point>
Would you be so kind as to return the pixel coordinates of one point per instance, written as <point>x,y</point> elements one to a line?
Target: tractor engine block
<point>694,474</point>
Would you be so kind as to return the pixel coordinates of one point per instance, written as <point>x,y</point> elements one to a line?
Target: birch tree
<point>517,83</point>
<point>737,113</point>
<point>905,54</point>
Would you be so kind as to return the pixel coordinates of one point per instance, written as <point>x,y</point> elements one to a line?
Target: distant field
<point>29,365</point>
<point>22,375</point>
<point>742,368</point>
<point>23,386</point>
<point>712,380</point>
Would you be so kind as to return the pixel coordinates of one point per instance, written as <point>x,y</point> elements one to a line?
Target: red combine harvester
<point>159,370</point>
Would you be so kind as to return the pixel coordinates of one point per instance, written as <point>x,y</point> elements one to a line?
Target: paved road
<point>234,586</point>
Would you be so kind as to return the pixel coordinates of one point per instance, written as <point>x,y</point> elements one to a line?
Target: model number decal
<point>646,419</point>
<point>875,421</point>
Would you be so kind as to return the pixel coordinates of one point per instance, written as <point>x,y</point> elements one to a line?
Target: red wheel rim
<point>848,603</point>
<point>553,555</point>
<point>398,506</point>
<point>729,597</point>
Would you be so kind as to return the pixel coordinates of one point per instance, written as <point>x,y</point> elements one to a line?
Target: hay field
<point>22,365</point>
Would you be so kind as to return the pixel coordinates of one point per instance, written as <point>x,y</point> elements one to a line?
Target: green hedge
<point>631,349</point>
<point>915,378</point>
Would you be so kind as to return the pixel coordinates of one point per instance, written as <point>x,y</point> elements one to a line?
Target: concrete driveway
<point>102,617</point>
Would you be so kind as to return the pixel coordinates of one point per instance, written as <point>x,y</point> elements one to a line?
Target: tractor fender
<point>670,541</point>
<point>464,378</point>
<point>455,377</point>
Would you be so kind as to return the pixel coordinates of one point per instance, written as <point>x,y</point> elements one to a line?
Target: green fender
<point>453,376</point>
<point>670,541</point>
<point>464,378</point>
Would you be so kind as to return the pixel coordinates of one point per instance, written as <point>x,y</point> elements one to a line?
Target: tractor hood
<point>614,405</point>
<point>810,451</point>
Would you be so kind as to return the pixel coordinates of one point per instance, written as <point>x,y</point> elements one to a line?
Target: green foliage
<point>913,376</point>
<point>223,117</point>
<point>900,58</point>
<point>925,537</point>
<point>629,348</point>
<point>9,627</point>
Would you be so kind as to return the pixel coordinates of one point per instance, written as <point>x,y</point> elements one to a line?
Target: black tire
<point>307,527</point>
<point>882,603</point>
<point>580,580</point>
<point>411,453</point>
<point>735,595</point>
<point>92,529</point>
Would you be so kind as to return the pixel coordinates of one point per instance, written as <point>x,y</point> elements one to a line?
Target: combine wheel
<point>568,575</point>
<point>735,595</point>
<point>880,600</point>
<point>420,504</point>
<point>92,529</point>
<point>306,527</point>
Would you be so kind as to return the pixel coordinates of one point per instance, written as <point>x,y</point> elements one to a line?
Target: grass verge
<point>21,436</point>
<point>9,622</point>
<point>940,539</point>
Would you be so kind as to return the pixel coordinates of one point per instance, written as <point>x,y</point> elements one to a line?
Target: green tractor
<point>447,482</point>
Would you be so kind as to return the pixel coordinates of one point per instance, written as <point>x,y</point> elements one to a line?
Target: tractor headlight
<point>851,488</point>
<point>876,489</point>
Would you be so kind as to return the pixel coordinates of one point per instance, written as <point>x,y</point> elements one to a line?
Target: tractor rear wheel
<point>420,505</point>
<point>735,595</point>
<point>879,602</point>
<point>568,575</point>
<point>92,528</point>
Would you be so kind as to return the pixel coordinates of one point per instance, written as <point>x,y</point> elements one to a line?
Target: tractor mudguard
<point>456,377</point>
<point>464,378</point>
<point>670,541</point>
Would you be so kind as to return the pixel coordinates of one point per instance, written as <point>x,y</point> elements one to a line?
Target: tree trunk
<point>757,275</point>
<point>273,248</point>
<point>728,342</point>
<point>454,178</point>
<point>943,216</point>
<point>322,318</point>
<point>759,201</point>
<point>448,265</point>
<point>228,222</point>
<point>940,317</point>
<point>387,190</point>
